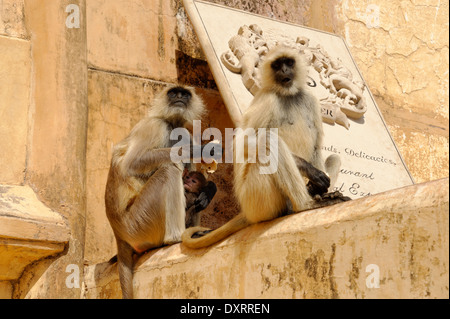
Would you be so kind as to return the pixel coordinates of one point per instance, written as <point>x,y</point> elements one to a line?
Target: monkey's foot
<point>329,199</point>
<point>333,195</point>
<point>136,256</point>
<point>201,233</point>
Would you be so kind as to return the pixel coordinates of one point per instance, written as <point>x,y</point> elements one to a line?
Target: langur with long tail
<point>144,198</point>
<point>283,102</point>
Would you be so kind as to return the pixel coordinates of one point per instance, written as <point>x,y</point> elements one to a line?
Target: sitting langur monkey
<point>199,193</point>
<point>285,103</point>
<point>144,197</point>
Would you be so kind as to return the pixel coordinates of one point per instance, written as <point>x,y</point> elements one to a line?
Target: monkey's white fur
<point>296,114</point>
<point>144,196</point>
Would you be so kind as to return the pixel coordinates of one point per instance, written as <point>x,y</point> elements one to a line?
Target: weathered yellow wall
<point>403,55</point>
<point>15,66</point>
<point>323,253</point>
<point>133,37</point>
<point>43,108</point>
<point>67,95</point>
<point>14,99</point>
<point>116,103</point>
<point>15,69</point>
<point>132,45</point>
<point>5,290</point>
<point>56,158</point>
<point>401,49</point>
<point>133,52</point>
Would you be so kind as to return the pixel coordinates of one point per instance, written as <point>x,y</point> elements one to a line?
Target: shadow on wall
<point>194,72</point>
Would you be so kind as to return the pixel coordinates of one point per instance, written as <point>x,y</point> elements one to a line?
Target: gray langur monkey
<point>144,197</point>
<point>285,103</point>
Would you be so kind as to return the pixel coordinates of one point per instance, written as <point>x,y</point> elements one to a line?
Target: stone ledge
<point>29,231</point>
<point>323,253</point>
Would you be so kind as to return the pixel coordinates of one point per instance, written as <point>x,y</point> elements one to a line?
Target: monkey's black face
<point>284,69</point>
<point>179,96</point>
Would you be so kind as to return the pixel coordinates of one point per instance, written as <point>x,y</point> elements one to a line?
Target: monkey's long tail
<point>237,223</point>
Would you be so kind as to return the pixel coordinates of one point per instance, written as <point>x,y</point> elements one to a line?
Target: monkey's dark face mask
<point>284,69</point>
<point>179,97</point>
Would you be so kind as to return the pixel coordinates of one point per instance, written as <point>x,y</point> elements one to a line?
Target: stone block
<point>12,22</point>
<point>15,66</point>
<point>56,154</point>
<point>390,245</point>
<point>29,231</point>
<point>5,290</point>
<point>133,37</point>
<point>116,104</point>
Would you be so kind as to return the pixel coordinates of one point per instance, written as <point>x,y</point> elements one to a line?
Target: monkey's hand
<point>205,197</point>
<point>318,189</point>
<point>318,181</point>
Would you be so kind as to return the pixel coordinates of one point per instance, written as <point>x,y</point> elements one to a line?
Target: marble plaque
<point>235,43</point>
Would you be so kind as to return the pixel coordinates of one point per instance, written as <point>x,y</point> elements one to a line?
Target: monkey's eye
<point>276,65</point>
<point>194,181</point>
<point>290,62</point>
<point>171,94</point>
<point>179,93</point>
<point>186,94</point>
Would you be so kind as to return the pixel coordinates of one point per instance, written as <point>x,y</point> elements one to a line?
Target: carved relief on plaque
<point>341,96</point>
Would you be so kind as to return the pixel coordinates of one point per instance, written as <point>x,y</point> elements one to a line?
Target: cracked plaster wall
<point>43,116</point>
<point>135,46</point>
<point>401,48</point>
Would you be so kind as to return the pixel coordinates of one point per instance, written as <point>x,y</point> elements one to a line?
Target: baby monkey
<point>198,193</point>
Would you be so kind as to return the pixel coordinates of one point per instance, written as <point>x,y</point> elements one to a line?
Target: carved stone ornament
<point>344,96</point>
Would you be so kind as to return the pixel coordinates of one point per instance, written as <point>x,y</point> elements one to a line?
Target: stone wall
<point>43,107</point>
<point>134,51</point>
<point>15,66</point>
<point>68,95</point>
<point>401,49</point>
<point>389,245</point>
<point>137,47</point>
